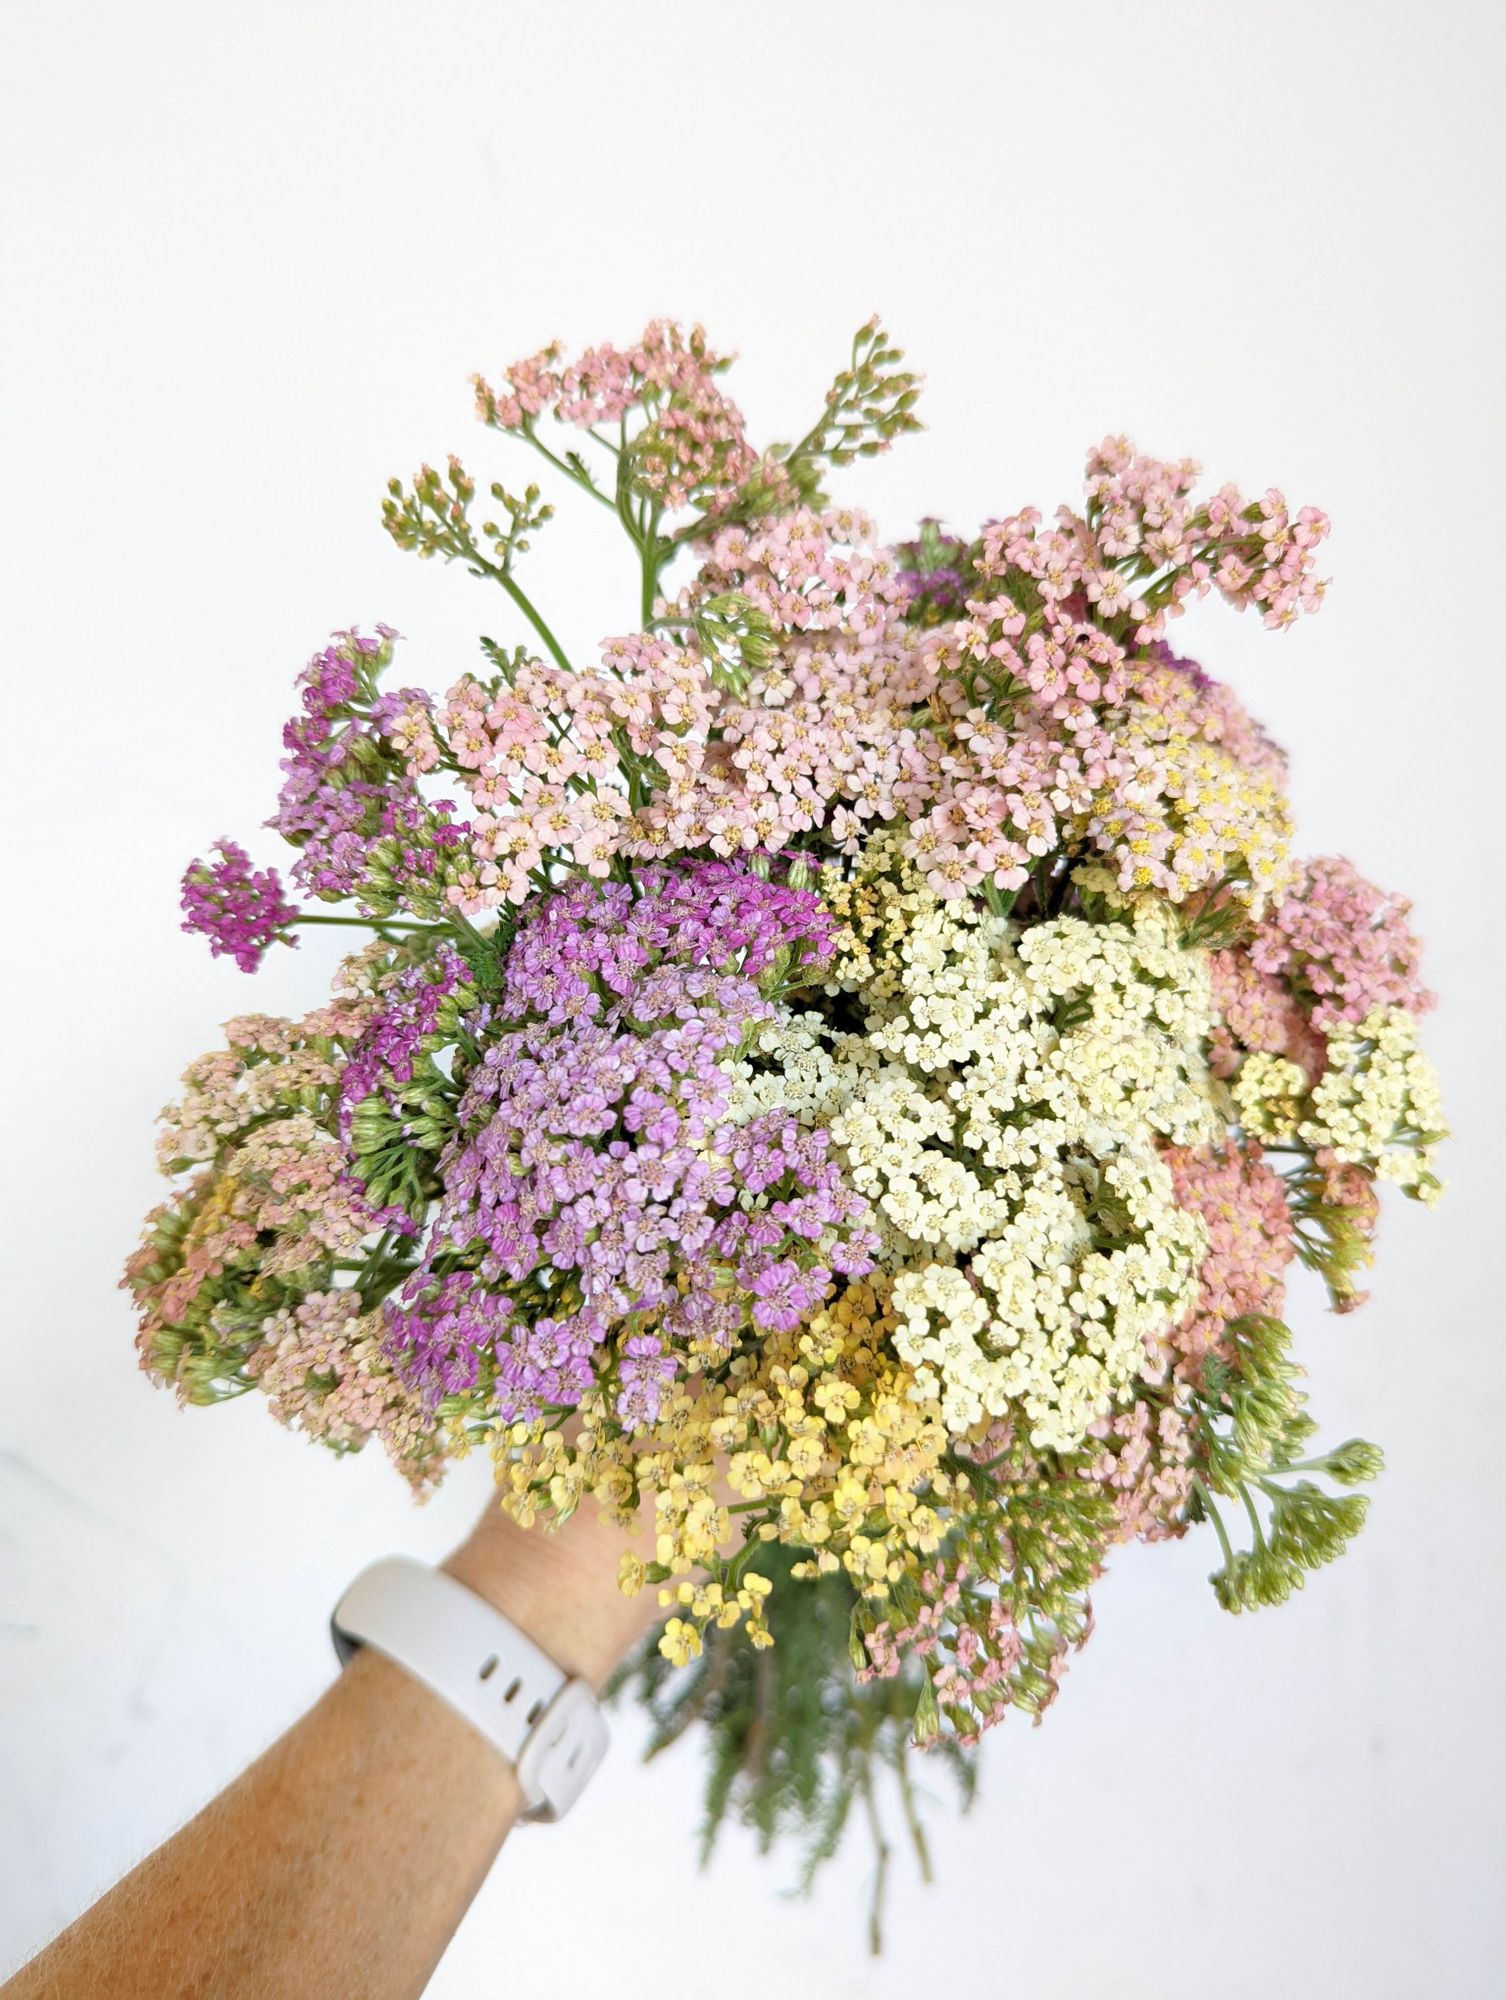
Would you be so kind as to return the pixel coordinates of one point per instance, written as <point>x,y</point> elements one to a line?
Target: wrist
<point>541,1716</point>
<point>559,1586</point>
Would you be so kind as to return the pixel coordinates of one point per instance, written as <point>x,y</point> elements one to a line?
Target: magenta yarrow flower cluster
<point>240,909</point>
<point>845,1066</point>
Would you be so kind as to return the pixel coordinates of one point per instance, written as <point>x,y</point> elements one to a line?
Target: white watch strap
<point>544,1723</point>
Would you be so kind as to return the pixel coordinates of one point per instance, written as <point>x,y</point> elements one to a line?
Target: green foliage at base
<point>795,1742</point>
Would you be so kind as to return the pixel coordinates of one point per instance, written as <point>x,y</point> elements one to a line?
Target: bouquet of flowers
<point>846,1068</point>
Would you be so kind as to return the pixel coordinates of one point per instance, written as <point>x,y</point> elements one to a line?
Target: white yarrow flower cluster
<point>1269,1092</point>
<point>1377,1103</point>
<point>1001,1112</point>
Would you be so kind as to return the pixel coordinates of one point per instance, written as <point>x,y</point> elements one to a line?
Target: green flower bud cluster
<point>1254,1426</point>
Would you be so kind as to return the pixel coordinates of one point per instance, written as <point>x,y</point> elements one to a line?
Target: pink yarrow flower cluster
<point>1250,1245</point>
<point>693,448</point>
<point>1144,547</point>
<point>1045,715</point>
<point>1341,944</point>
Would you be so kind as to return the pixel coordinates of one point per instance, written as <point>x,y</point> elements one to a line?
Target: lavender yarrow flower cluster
<point>409,1016</point>
<point>240,909</point>
<point>445,1330</point>
<point>645,1371</point>
<point>936,573</point>
<point>591,944</point>
<point>349,775</point>
<point>596,1174</point>
<point>395,1110</point>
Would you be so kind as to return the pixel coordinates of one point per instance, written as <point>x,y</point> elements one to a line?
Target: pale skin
<point>343,1859</point>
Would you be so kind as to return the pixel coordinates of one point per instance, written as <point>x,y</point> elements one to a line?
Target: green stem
<point>530,611</point>
<point>1218,1521</point>
<point>912,1817</point>
<point>1244,1494</point>
<point>461,922</point>
<point>369,923</point>
<point>1272,1488</point>
<point>653,561</point>
<point>586,484</point>
<point>881,1848</point>
<point>830,416</point>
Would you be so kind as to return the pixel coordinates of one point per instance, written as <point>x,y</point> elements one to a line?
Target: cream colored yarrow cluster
<point>1002,1113</point>
<point>1270,1092</point>
<point>1185,813</point>
<point>1377,1104</point>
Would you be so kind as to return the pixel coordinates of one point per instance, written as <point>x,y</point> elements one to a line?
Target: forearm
<point>342,1861</point>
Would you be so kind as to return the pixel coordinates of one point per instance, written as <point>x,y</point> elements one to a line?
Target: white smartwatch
<point>545,1724</point>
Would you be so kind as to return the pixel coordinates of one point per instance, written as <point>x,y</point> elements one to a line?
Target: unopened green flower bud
<point>927,1715</point>
<point>1355,1462</point>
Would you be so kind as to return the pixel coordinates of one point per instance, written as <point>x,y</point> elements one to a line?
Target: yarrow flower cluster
<point>240,909</point>
<point>1343,944</point>
<point>1002,1108</point>
<point>595,1173</point>
<point>843,1071</point>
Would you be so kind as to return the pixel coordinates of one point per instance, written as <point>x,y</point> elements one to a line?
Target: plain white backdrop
<point>251,254</point>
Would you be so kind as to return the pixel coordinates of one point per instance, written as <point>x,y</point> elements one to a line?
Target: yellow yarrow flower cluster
<point>1375,1106</point>
<point>855,1463</point>
<point>821,1439</point>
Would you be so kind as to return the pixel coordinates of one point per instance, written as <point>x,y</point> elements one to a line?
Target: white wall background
<point>251,253</point>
